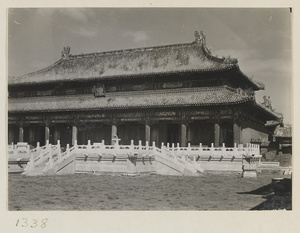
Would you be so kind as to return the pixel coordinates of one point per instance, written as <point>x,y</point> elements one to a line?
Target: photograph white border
<point>152,221</point>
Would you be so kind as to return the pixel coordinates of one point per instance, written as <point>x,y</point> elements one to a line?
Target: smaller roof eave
<point>274,115</point>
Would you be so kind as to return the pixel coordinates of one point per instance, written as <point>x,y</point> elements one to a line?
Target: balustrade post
<point>173,148</point>
<point>140,147</point>
<point>89,145</point>
<point>131,147</point>
<point>200,149</point>
<point>147,147</point>
<point>75,144</point>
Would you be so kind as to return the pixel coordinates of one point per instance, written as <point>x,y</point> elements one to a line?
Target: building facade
<point>173,94</point>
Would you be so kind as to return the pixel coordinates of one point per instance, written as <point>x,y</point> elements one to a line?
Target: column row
<point>184,133</point>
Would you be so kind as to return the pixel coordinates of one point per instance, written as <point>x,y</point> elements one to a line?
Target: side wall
<point>249,133</point>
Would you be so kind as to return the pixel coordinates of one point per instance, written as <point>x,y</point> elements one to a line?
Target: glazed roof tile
<point>188,57</point>
<point>283,132</point>
<point>134,99</point>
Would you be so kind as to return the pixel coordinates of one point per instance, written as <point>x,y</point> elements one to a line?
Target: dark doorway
<point>33,134</point>
<point>131,131</point>
<point>173,133</point>
<point>226,134</point>
<point>96,132</point>
<point>201,132</point>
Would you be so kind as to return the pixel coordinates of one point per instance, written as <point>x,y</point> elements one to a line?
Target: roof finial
<point>200,37</point>
<point>66,52</point>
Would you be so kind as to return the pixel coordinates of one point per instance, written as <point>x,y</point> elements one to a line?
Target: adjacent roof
<point>273,123</point>
<point>133,99</point>
<point>277,116</point>
<point>283,132</point>
<point>188,57</point>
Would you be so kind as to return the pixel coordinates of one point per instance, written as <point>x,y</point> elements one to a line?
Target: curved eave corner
<point>275,115</point>
<point>16,80</point>
<point>257,85</point>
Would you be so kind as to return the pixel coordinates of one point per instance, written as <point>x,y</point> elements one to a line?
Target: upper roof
<point>202,96</point>
<point>188,57</point>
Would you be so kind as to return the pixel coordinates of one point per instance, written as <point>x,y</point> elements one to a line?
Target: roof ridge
<point>130,50</point>
<point>39,71</point>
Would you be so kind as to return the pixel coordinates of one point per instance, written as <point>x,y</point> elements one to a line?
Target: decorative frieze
<point>139,87</point>
<point>130,115</point>
<point>165,114</point>
<point>33,118</point>
<point>173,85</point>
<point>198,113</point>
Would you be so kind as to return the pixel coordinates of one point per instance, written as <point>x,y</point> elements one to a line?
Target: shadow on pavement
<point>278,195</point>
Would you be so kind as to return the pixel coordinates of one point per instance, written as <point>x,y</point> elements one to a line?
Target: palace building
<point>178,93</point>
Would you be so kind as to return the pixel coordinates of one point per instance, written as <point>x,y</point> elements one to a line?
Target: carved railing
<point>216,152</point>
<point>179,156</point>
<point>42,154</point>
<point>19,151</point>
<point>100,149</point>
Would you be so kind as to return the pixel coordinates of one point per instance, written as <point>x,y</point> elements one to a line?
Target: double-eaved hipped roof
<point>160,60</point>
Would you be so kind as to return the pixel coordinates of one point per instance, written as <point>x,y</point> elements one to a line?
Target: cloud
<point>81,15</point>
<point>137,36</point>
<point>76,14</point>
<point>83,32</point>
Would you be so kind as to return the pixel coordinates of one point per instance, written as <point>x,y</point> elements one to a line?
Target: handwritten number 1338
<point>33,223</point>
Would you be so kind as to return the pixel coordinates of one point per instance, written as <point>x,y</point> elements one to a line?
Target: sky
<point>260,38</point>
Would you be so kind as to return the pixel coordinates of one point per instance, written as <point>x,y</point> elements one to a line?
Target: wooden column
<point>236,127</point>
<point>183,135</point>
<point>21,133</point>
<point>147,132</point>
<point>236,133</point>
<point>47,134</point>
<point>217,135</point>
<point>114,131</point>
<point>74,134</point>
